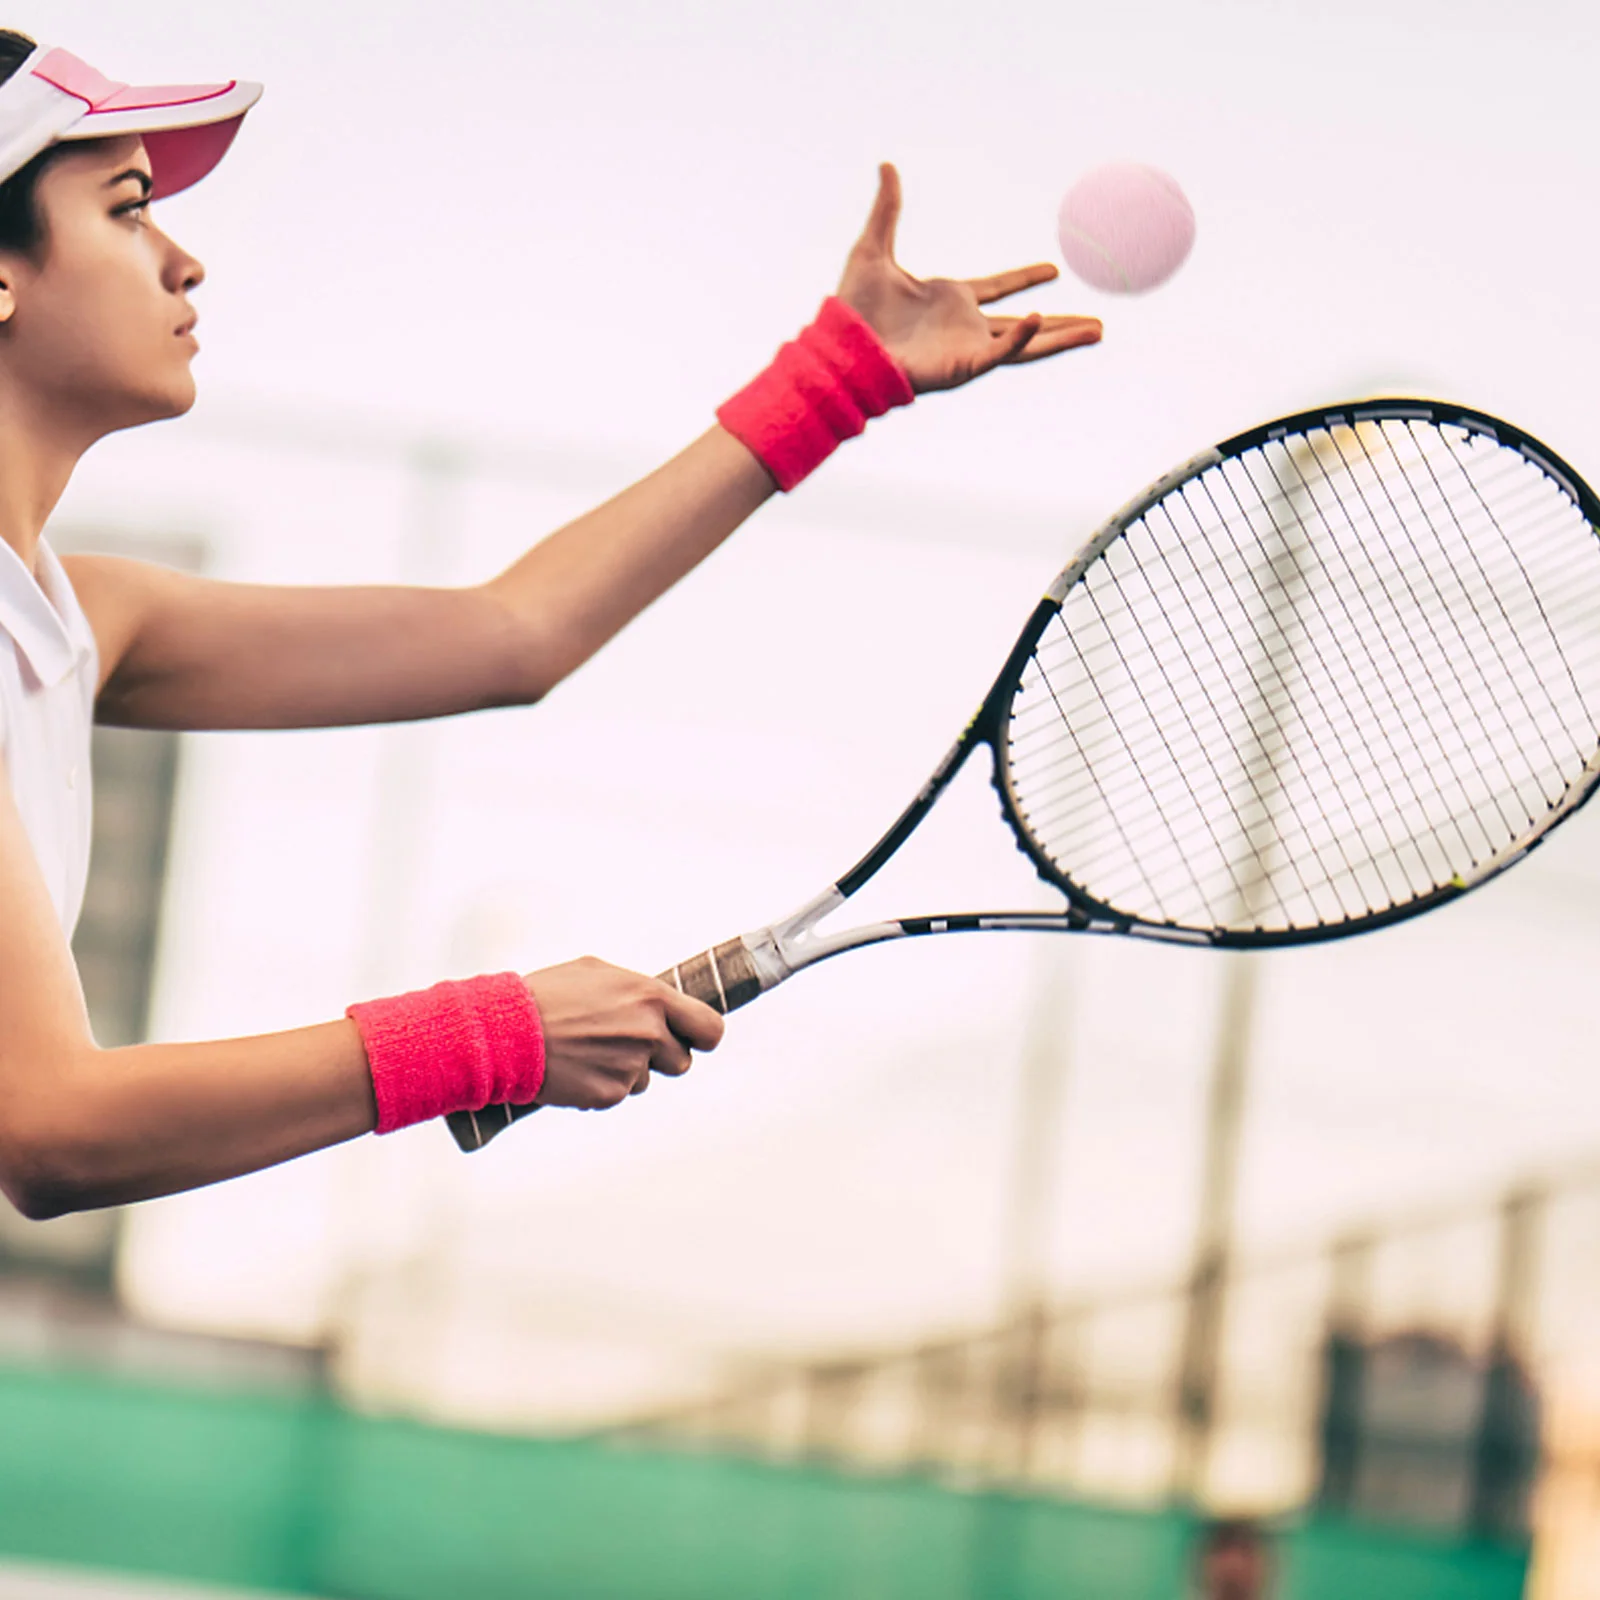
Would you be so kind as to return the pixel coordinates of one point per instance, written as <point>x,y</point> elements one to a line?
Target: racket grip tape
<point>725,978</point>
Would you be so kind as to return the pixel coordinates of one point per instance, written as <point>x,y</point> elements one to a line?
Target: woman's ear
<point>8,298</point>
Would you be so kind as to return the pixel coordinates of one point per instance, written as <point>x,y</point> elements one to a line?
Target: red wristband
<point>819,391</point>
<point>459,1046</point>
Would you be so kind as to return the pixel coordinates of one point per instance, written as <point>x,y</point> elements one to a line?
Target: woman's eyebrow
<point>143,177</point>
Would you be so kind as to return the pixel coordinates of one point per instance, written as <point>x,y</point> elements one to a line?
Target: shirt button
<point>72,777</point>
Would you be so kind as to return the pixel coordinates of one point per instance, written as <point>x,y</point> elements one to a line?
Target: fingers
<point>1015,281</point>
<point>685,1022</point>
<point>1049,338</point>
<point>606,1030</point>
<point>1089,327</point>
<point>1009,342</point>
<point>680,1025</point>
<point>1008,337</point>
<point>671,1057</point>
<point>670,1054</point>
<point>879,232</point>
<point>1085,329</point>
<point>693,1021</point>
<point>1014,340</point>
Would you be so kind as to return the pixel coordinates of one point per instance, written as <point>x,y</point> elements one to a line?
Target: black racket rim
<point>1440,413</point>
<point>989,727</point>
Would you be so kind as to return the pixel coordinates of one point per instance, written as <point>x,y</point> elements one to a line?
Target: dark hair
<point>21,228</point>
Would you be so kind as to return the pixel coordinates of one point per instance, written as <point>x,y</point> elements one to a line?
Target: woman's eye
<point>133,208</point>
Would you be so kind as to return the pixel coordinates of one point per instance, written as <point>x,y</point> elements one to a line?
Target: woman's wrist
<point>821,389</point>
<point>458,1046</point>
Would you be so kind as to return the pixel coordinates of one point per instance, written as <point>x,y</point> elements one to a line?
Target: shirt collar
<point>43,616</point>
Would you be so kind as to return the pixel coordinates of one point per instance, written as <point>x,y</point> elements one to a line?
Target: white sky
<point>582,226</point>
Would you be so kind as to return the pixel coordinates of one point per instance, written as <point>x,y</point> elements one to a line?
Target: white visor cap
<point>54,96</point>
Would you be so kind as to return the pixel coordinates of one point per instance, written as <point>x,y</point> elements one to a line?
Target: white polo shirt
<point>49,667</point>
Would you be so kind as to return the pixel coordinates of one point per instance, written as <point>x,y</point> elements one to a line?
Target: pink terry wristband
<point>819,391</point>
<point>459,1046</point>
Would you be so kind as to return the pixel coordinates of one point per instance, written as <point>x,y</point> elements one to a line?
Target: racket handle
<point>725,978</point>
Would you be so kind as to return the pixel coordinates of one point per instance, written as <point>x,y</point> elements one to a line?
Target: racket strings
<point>1455,832</point>
<point>1041,725</point>
<point>1245,883</point>
<point>1260,711</point>
<point>1448,728</point>
<point>1029,729</point>
<point>1273,656</point>
<point>1579,662</point>
<point>1485,795</point>
<point>1261,814</point>
<point>1556,574</point>
<point>1486,685</point>
<point>1446,745</point>
<point>1405,520</point>
<point>1473,617</point>
<point>1317,681</point>
<point>1056,795</point>
<point>1172,765</point>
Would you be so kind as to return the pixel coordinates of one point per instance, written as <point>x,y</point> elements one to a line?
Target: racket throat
<point>796,942</point>
<point>793,941</point>
<point>779,951</point>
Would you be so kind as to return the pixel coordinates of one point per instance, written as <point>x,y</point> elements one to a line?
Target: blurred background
<point>981,1268</point>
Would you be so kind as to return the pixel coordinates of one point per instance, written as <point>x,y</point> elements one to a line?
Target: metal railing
<point>1466,1323</point>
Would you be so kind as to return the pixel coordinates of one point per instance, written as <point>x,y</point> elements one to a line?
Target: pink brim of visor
<point>186,128</point>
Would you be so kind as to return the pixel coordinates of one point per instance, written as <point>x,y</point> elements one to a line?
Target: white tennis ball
<point>1125,228</point>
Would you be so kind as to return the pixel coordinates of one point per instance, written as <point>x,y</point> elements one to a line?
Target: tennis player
<point>97,335</point>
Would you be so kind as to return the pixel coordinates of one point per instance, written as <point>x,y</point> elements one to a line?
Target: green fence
<point>291,1493</point>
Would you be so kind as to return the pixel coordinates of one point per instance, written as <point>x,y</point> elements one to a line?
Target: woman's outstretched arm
<point>179,651</point>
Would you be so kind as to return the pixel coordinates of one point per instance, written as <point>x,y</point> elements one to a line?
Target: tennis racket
<point>1331,674</point>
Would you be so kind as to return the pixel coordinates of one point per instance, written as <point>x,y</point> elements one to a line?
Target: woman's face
<point>95,324</point>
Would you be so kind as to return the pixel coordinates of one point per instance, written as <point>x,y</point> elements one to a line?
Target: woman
<point>97,335</point>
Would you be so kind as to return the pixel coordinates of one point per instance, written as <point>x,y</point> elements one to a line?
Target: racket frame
<point>734,973</point>
<point>784,947</point>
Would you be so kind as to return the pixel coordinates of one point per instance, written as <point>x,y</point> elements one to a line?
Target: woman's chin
<point>174,400</point>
